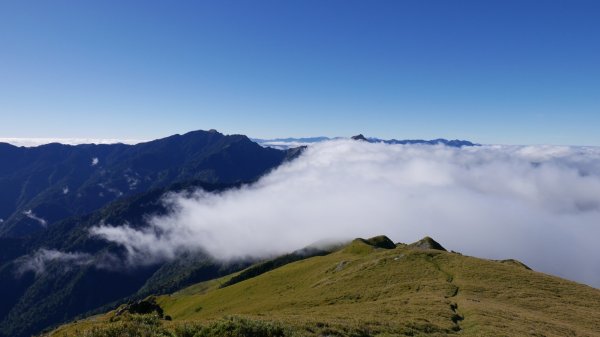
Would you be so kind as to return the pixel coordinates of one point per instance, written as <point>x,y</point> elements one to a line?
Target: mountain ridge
<point>364,290</point>
<point>43,184</point>
<point>53,273</point>
<point>284,143</point>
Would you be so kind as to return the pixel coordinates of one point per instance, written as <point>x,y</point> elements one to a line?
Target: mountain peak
<point>100,174</point>
<point>381,241</point>
<point>360,137</point>
<point>427,243</point>
<point>365,246</point>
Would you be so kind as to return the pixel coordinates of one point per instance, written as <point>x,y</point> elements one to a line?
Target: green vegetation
<point>151,326</point>
<point>266,266</point>
<point>59,184</point>
<point>363,290</point>
<point>65,292</point>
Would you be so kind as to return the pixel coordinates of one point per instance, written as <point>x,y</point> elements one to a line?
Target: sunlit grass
<point>361,290</point>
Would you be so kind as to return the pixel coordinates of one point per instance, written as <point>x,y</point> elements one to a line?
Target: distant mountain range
<point>286,143</point>
<point>52,270</point>
<point>439,141</point>
<point>44,184</point>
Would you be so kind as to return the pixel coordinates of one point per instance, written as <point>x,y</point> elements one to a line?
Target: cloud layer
<point>538,204</point>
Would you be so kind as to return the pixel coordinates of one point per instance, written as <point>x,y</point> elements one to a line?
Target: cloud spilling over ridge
<point>538,204</point>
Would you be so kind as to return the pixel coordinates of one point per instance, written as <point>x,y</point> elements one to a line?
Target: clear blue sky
<point>512,72</point>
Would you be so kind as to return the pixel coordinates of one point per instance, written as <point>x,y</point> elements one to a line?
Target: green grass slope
<point>365,290</point>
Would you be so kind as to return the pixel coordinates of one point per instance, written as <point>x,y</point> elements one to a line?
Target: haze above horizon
<point>495,72</point>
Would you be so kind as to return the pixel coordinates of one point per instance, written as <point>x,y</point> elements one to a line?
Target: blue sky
<point>511,72</point>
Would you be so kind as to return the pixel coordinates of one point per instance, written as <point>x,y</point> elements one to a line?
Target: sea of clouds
<point>538,204</point>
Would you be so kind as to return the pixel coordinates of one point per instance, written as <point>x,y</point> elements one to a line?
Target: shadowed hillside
<point>45,184</point>
<point>53,272</point>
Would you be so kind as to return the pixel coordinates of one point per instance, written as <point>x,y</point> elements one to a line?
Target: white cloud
<point>114,191</point>
<point>65,190</point>
<point>31,215</point>
<point>38,261</point>
<point>540,205</point>
<point>95,161</point>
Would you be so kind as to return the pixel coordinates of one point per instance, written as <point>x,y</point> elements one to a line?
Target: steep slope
<point>59,287</point>
<point>42,185</point>
<point>54,272</point>
<point>363,290</point>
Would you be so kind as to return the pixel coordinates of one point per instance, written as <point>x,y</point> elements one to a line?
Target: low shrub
<point>152,326</point>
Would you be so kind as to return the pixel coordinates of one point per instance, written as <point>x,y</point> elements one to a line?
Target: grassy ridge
<point>362,290</point>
